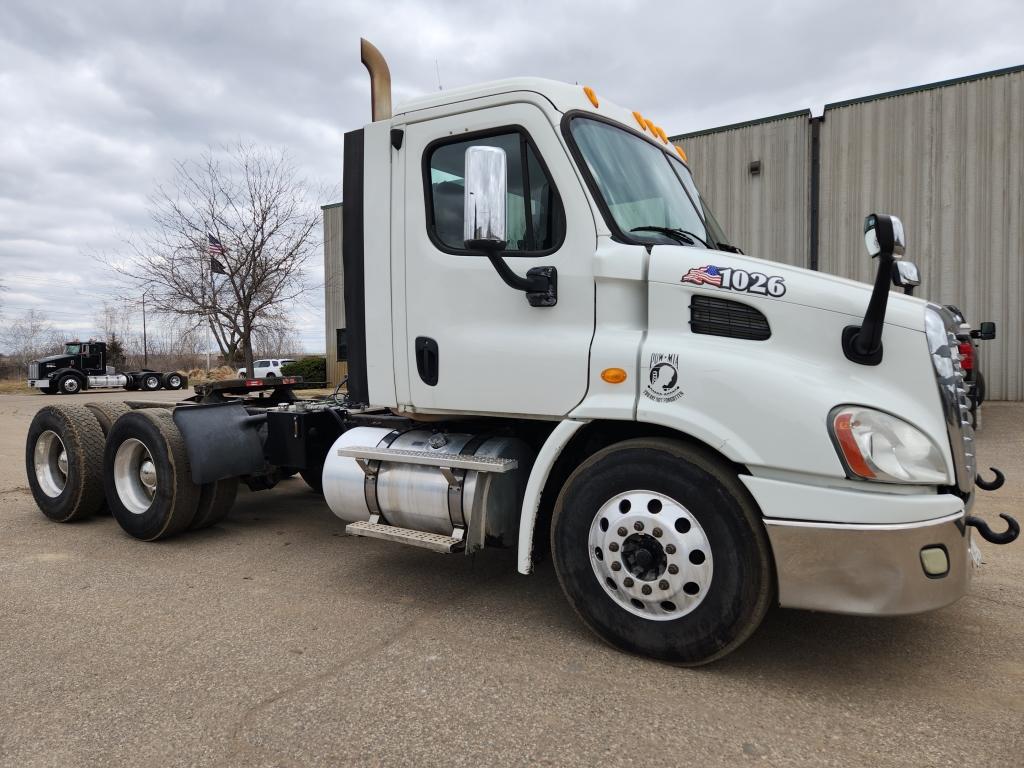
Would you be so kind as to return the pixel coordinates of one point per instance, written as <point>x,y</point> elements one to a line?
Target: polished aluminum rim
<point>651,555</point>
<point>134,476</point>
<point>174,381</point>
<point>71,385</point>
<point>50,460</point>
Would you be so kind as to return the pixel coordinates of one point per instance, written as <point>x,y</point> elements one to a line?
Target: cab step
<point>435,542</point>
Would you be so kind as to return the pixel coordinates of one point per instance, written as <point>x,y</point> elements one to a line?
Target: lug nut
<point>646,589</point>
<point>616,565</point>
<point>673,569</point>
<point>627,582</point>
<point>670,549</point>
<point>622,531</point>
<point>638,525</point>
<point>657,533</point>
<point>613,546</point>
<point>663,584</point>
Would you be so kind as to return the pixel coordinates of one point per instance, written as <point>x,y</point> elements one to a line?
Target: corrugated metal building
<point>948,158</point>
<point>334,296</point>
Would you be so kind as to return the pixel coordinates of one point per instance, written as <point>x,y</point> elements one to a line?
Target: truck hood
<point>50,359</point>
<point>707,269</point>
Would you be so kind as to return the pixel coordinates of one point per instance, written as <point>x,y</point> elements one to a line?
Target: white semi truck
<point>553,348</point>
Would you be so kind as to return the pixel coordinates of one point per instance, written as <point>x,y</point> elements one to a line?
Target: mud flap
<point>222,441</point>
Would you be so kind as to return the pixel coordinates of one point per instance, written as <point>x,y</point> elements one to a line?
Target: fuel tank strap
<point>371,470</point>
<point>457,482</point>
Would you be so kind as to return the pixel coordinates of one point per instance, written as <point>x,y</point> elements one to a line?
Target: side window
<point>261,364</point>
<point>535,218</point>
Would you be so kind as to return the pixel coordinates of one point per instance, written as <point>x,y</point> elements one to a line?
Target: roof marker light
<point>661,134</point>
<point>640,121</point>
<point>682,154</point>
<point>651,126</point>
<point>591,95</point>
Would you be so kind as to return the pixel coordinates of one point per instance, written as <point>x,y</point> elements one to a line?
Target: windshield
<point>641,185</point>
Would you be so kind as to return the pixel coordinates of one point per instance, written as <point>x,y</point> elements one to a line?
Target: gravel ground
<point>275,640</point>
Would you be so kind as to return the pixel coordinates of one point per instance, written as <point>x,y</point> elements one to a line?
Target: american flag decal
<point>709,275</point>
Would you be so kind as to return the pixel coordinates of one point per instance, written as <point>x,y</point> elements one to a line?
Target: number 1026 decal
<point>737,280</point>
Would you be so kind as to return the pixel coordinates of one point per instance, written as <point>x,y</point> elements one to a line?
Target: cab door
<point>474,344</point>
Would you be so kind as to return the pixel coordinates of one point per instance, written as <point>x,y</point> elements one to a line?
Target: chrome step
<point>430,458</point>
<point>435,542</point>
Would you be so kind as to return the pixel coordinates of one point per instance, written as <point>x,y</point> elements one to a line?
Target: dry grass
<point>14,387</point>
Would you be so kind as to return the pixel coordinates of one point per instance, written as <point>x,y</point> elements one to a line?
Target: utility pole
<point>145,344</point>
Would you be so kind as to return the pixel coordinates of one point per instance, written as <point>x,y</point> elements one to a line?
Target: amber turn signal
<point>613,375</point>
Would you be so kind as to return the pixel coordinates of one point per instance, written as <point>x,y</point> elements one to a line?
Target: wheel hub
<point>50,461</point>
<point>135,476</point>
<point>651,554</point>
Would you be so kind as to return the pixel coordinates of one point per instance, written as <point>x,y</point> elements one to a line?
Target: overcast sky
<point>97,99</point>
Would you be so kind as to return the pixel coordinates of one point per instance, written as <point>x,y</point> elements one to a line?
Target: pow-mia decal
<point>737,280</point>
<point>663,379</point>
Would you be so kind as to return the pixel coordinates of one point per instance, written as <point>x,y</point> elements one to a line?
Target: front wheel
<point>661,551</point>
<point>69,385</point>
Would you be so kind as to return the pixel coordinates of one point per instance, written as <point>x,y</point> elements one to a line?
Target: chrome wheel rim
<point>71,385</point>
<point>651,555</point>
<point>174,381</point>
<point>135,476</point>
<point>50,461</point>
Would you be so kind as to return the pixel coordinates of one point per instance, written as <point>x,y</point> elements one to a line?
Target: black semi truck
<point>83,365</point>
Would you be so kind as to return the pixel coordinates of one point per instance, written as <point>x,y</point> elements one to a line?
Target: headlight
<point>876,446</point>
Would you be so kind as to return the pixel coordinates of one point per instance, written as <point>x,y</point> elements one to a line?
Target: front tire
<point>69,385</point>
<point>147,477</point>
<point>661,550</point>
<point>64,460</point>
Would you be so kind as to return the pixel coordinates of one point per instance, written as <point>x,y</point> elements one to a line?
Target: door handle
<point>427,360</point>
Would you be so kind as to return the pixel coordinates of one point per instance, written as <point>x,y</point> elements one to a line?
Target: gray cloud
<point>97,99</point>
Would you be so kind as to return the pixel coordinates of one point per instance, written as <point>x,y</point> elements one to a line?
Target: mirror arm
<point>863,344</point>
<point>540,284</point>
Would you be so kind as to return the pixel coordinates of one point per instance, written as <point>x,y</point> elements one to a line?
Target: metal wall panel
<point>334,297</point>
<point>949,161</point>
<point>766,215</point>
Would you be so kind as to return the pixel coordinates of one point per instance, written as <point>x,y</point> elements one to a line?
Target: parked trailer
<point>83,365</point>
<point>693,433</point>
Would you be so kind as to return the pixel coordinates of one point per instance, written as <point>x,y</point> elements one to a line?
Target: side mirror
<point>483,227</point>
<point>986,331</point>
<point>883,235</point>
<point>906,275</point>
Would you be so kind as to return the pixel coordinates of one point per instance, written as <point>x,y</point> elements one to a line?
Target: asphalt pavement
<point>274,639</point>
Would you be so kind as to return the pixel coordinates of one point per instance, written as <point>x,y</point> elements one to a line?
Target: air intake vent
<point>725,317</point>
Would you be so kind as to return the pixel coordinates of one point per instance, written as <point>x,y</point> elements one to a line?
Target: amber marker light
<point>651,126</point>
<point>848,443</point>
<point>640,121</point>
<point>613,375</point>
<point>591,95</point>
<point>661,134</point>
<point>681,153</point>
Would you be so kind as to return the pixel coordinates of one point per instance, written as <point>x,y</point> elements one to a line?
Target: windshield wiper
<point>683,236</point>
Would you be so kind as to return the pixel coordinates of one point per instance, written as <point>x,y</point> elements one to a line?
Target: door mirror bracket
<point>484,224</point>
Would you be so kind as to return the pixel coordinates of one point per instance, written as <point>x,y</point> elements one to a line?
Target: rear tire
<point>215,501</point>
<point>151,382</point>
<point>173,380</point>
<point>64,462</point>
<point>107,413</point>
<point>147,476</point>
<point>637,512</point>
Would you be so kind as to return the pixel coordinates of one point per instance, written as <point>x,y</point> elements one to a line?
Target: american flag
<point>214,246</point>
<point>708,275</point>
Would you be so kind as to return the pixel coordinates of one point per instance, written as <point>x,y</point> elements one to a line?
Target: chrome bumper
<point>869,569</point>
<point>39,383</point>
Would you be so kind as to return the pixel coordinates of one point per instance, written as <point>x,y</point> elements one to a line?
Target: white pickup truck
<point>553,349</point>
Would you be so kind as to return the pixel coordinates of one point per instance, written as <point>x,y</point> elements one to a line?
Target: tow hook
<point>991,485</point>
<point>1011,532</point>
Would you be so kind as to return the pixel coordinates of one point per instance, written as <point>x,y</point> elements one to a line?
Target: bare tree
<point>30,336</point>
<point>263,219</point>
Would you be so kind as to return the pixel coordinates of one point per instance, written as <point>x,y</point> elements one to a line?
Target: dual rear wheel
<point>134,462</point>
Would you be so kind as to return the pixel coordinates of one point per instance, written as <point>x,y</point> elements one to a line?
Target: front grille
<point>940,328</point>
<point>33,371</point>
<point>724,317</point>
